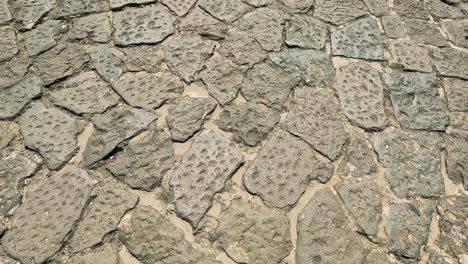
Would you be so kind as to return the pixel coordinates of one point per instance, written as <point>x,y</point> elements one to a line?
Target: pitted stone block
<point>14,99</point>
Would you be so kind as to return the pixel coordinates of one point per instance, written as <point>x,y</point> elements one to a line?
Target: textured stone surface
<point>5,134</point>
<point>357,159</point>
<point>306,32</point>
<point>94,27</point>
<point>459,124</point>
<point>393,26</point>
<point>76,7</point>
<point>378,257</point>
<point>456,91</point>
<point>142,58</point>
<point>116,4</point>
<point>339,12</point>
<point>409,56</point>
<point>206,25</point>
<point>227,11</point>
<point>180,7</point>
<point>453,229</point>
<point>250,232</point>
<point>44,36</point>
<point>109,66</point>
<point>411,162</point>
<point>456,31</point>
<point>8,42</point>
<point>297,6</point>
<point>456,160</point>
<point>5,14</point>
<point>241,48</point>
<point>377,7</point>
<point>412,9</point>
<point>315,117</point>
<point>28,12</point>
<point>36,235</point>
<point>258,3</point>
<point>451,62</point>
<point>104,256</point>
<point>15,98</point>
<point>425,32</point>
<point>13,71</point>
<point>283,168</point>
<point>201,173</point>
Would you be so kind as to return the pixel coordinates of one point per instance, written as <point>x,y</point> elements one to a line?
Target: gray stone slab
<point>93,28</point>
<point>297,6</point>
<point>456,160</point>
<point>394,27</point>
<point>109,66</point>
<point>410,56</point>
<point>339,12</point>
<point>456,31</point>
<point>44,36</point>
<point>453,229</point>
<point>226,11</point>
<point>101,256</point>
<point>241,48</point>
<point>28,12</point>
<point>206,25</point>
<point>117,4</point>
<point>65,8</point>
<point>306,32</point>
<point>458,124</point>
<point>440,9</point>
<point>425,32</point>
<point>14,99</point>
<point>258,3</point>
<point>456,91</point>
<point>180,7</point>
<point>357,160</point>
<point>5,13</point>
<point>142,58</point>
<point>412,9</point>
<point>378,257</point>
<point>451,62</point>
<point>13,71</point>
<point>377,7</point>
<point>6,135</point>
<point>8,42</point>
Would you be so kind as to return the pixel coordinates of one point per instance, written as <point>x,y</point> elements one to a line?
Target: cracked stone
<point>180,7</point>
<point>393,26</point>
<point>357,159</point>
<point>142,58</point>
<point>361,95</point>
<point>250,123</point>
<point>411,162</point>
<point>425,32</point>
<point>407,228</point>
<point>35,235</point>
<point>458,124</point>
<point>456,160</point>
<point>241,48</point>
<point>146,90</point>
<point>315,117</point>
<point>14,99</point>
<point>306,32</point>
<point>44,36</point>
<point>148,25</point>
<point>117,4</point>
<point>457,94</point>
<point>457,32</point>
<point>5,14</point>
<point>439,258</point>
<point>452,224</point>
<point>378,257</point>
<point>5,134</point>
<point>258,3</point>
<point>412,9</point>
<point>78,7</point>
<point>250,232</point>
<point>360,39</point>
<point>339,12</point>
<point>451,62</point>
<point>101,256</point>
<point>13,71</point>
<point>187,116</point>
<point>410,56</point>
<point>440,9</point>
<point>109,66</point>
<point>8,43</point>
<point>28,12</point>
<point>377,7</point>
<point>144,161</point>
<point>226,11</point>
<point>324,234</point>
<point>297,6</point>
<point>85,94</point>
<point>204,24</point>
<point>202,173</point>
<point>51,132</point>
<point>94,27</point>
<point>283,168</point>
<point>416,101</point>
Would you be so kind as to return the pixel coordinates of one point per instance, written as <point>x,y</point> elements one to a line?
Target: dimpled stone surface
<point>44,36</point>
<point>425,32</point>
<point>12,72</point>
<point>5,14</point>
<point>339,12</point>
<point>187,116</point>
<point>416,101</point>
<point>456,160</point>
<point>360,39</point>
<point>443,9</point>
<point>144,162</point>
<point>142,25</point>
<point>283,168</point>
<point>201,173</point>
<point>456,91</point>
<point>241,48</point>
<point>457,32</point>
<point>227,11</point>
<point>150,91</point>
<point>51,132</point>
<point>180,7</point>
<point>459,124</point>
<point>15,98</point>
<point>28,12</point>
<point>250,232</point>
<point>47,215</point>
<point>412,9</point>
<point>393,26</point>
<point>357,160</point>
<point>409,56</point>
<point>377,7</point>
<point>5,134</point>
<point>142,58</point>
<point>101,256</point>
<point>451,62</point>
<point>206,25</point>
<point>306,32</point>
<point>94,27</point>
<point>102,216</point>
<point>153,239</point>
<point>109,66</point>
<point>250,123</point>
<point>407,228</point>
<point>8,43</point>
<point>76,7</point>
<point>84,94</point>
<point>453,229</point>
<point>361,95</point>
<point>116,4</point>
<point>315,117</point>
<point>411,162</point>
<point>324,234</point>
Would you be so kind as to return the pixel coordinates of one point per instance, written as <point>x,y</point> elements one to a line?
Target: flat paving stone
<point>180,7</point>
<point>203,23</point>
<point>93,28</point>
<point>241,48</point>
<point>14,99</point>
<point>377,7</point>
<point>296,6</point>
<point>452,224</point>
<point>443,9</point>
<point>8,42</point>
<point>455,160</point>
<point>109,66</point>
<point>410,56</point>
<point>394,27</point>
<point>28,12</point>
<point>5,13</point>
<point>117,4</point>
<point>142,58</point>
<point>11,72</point>
<point>411,9</point>
<point>101,256</point>
<point>259,3</point>
<point>339,12</point>
<point>6,135</point>
<point>457,94</point>
<point>357,159</point>
<point>226,11</point>
<point>451,62</point>
<point>44,36</point>
<point>306,32</point>
<point>65,8</point>
<point>456,31</point>
<point>425,32</point>
<point>458,124</point>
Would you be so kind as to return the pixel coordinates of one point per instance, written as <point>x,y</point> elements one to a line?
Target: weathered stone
<point>5,259</point>
<point>14,99</point>
<point>101,256</point>
<point>452,224</point>
<point>339,11</point>
<point>146,90</point>
<point>143,58</point>
<point>153,239</point>
<point>360,39</point>
<point>451,62</point>
<point>324,234</point>
<point>439,258</point>
<point>77,7</point>
<point>258,3</point>
<point>250,123</point>
<point>5,134</point>
<point>113,127</point>
<point>187,116</point>
<point>5,14</point>
<point>283,168</point>
<point>297,6</point>
<point>425,32</point>
<point>315,117</point>
<point>412,9</point>
<point>145,160</point>
<point>51,132</point>
<point>180,7</point>
<point>416,101</point>
<point>361,95</point>
<point>250,232</point>
<point>186,54</point>
<point>200,21</point>
<point>8,43</point>
<point>13,71</point>
<point>28,12</point>
<point>456,91</point>
<point>226,11</point>
<point>44,36</point>
<point>457,31</point>
<point>411,162</point>
<point>441,9</point>
<point>377,7</point>
<point>378,257</point>
<point>393,26</point>
<point>357,160</point>
<point>409,56</point>
<point>201,173</point>
<point>109,66</point>
<point>102,216</point>
<point>407,228</point>
<point>241,48</point>
<point>306,32</point>
<point>456,160</point>
<point>268,84</point>
<point>47,215</point>
<point>94,27</point>
<point>458,124</point>
<point>117,4</point>
<point>148,25</point>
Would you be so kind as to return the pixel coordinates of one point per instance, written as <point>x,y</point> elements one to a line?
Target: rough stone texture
<point>144,162</point>
<point>15,98</point>
<point>241,48</point>
<point>339,12</point>
<point>360,39</point>
<point>44,36</point>
<point>227,11</point>
<point>187,116</point>
<point>324,234</point>
<point>425,32</point>
<point>51,132</point>
<point>409,56</point>
<point>250,232</point>
<point>76,7</point>
<point>393,26</point>
<point>457,32</point>
<point>13,71</point>
<point>146,90</point>
<point>142,58</point>
<point>8,42</point>
<point>104,256</point>
<point>180,7</point>
<point>456,160</point>
<point>28,12</point>
<point>5,259</point>
<point>407,228</point>
<point>250,123</point>
<point>117,4</point>
<point>5,134</point>
<point>200,21</point>
<point>412,9</point>
<point>142,25</point>
<point>377,7</point>
<point>411,162</point>
<point>357,160</point>
<point>453,229</point>
<point>306,32</point>
<point>94,27</point>
<point>443,9</point>
<point>416,101</point>
<point>283,168</point>
<point>201,173</point>
<point>451,62</point>
<point>109,66</point>
<point>378,257</point>
<point>5,14</point>
<point>297,6</point>
<point>84,94</point>
<point>459,124</point>
<point>456,91</point>
<point>315,117</point>
<point>361,95</point>
<point>47,215</point>
<point>258,3</point>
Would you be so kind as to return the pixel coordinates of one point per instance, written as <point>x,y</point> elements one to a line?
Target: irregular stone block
<point>416,101</point>
<point>206,25</point>
<point>201,173</point>
<point>187,116</point>
<point>439,258</point>
<point>15,98</point>
<point>142,58</point>
<point>441,9</point>
<point>425,32</point>
<point>51,132</point>
<point>258,3</point>
<point>241,48</point>
<point>456,160</point>
<point>109,66</point>
<point>94,27</point>
<point>250,123</point>
<point>412,9</point>
<point>148,25</point>
<point>360,39</point>
<point>451,62</point>
<point>357,160</point>
<point>457,31</point>
<point>117,4</point>
<point>28,12</point>
<point>13,71</point>
<point>377,7</point>
<point>306,32</point>
<point>339,12</point>
<point>44,36</point>
<point>409,56</point>
<point>297,6</point>
<point>8,43</point>
<point>457,94</point>
<point>226,11</point>
<point>393,26</point>
<point>101,256</point>
<point>5,134</point>
<point>66,8</point>
<point>452,224</point>
<point>47,215</point>
<point>5,14</point>
<point>378,257</point>
<point>180,7</point>
<point>458,124</point>
<point>315,117</point>
<point>283,168</point>
<point>5,259</point>
<point>411,162</point>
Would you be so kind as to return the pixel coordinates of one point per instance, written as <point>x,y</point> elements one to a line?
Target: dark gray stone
<point>28,12</point>
<point>411,9</point>
<point>425,32</point>
<point>456,91</point>
<point>226,11</point>
<point>410,56</point>
<point>94,27</point>
<point>339,12</point>
<point>456,160</point>
<point>44,36</point>
<point>180,7</point>
<point>14,99</point>
<point>451,62</point>
<point>306,32</point>
<point>357,159</point>
<point>8,42</point>
<point>109,66</point>
<point>13,71</point>
<point>393,26</point>
<point>452,224</point>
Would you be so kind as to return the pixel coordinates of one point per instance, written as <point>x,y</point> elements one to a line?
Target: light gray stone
<point>142,58</point>
<point>204,24</point>
<point>94,27</point>
<point>6,134</point>
<point>380,258</point>
<point>339,12</point>
<point>14,99</point>
<point>440,9</point>
<point>28,12</point>
<point>357,159</point>
<point>306,32</point>
<point>241,48</point>
<point>452,224</point>
<point>180,7</point>
<point>393,26</point>
<point>456,160</point>
<point>297,6</point>
<point>451,62</point>
<point>456,91</point>
<point>425,32</point>
<point>44,36</point>
<point>410,56</point>
<point>5,259</point>
<point>458,124</point>
<point>5,14</point>
<point>109,66</point>
<point>101,256</point>
<point>13,71</point>
<point>456,31</point>
<point>226,11</point>
<point>117,4</point>
<point>64,8</point>
<point>8,42</point>
<point>377,7</point>
<point>258,3</point>
<point>411,9</point>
